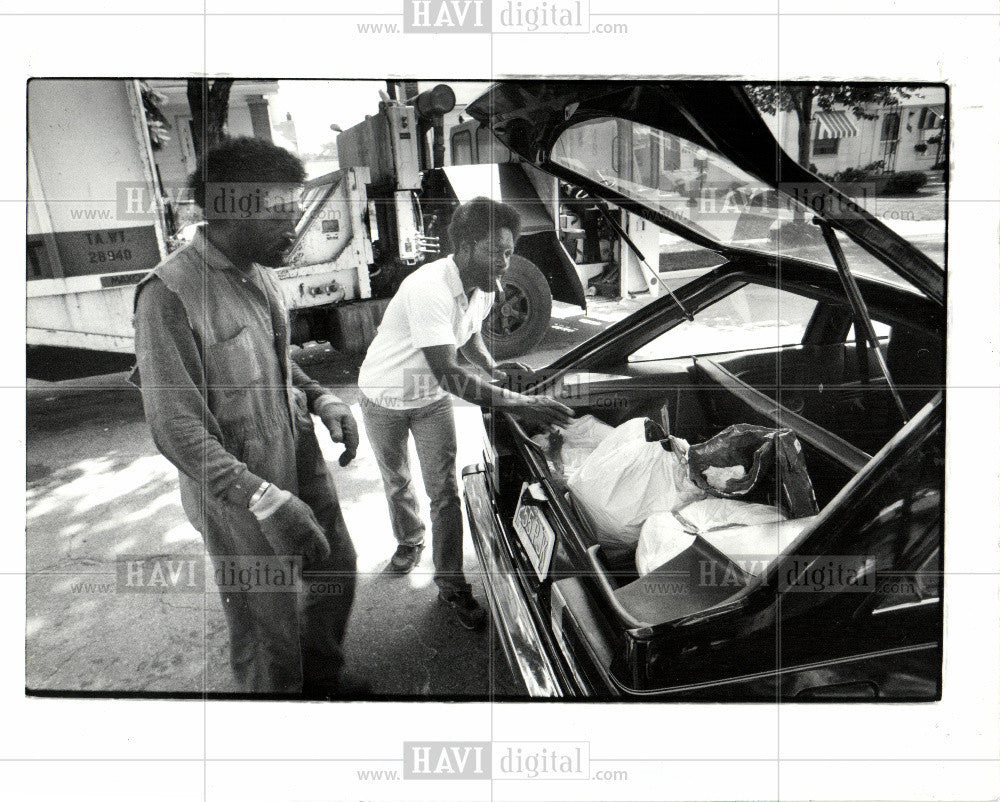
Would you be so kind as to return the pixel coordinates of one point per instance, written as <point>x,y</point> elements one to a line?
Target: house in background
<point>283,133</point>
<point>906,136</point>
<point>322,163</point>
<point>249,115</point>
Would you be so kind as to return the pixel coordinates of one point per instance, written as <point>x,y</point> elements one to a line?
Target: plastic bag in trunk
<point>630,476</point>
<point>665,535</point>
<point>568,448</point>
<point>752,463</point>
<point>752,535</point>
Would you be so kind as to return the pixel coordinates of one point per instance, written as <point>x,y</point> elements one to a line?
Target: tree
<point>156,121</point>
<point>801,98</point>
<point>209,111</point>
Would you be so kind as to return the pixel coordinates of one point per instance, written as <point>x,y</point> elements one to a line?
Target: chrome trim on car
<point>512,619</point>
<point>906,606</point>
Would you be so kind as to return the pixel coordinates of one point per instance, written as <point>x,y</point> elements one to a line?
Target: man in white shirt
<point>412,370</point>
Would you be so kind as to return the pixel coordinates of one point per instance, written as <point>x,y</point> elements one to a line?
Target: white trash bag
<point>716,513</point>
<point>567,448</point>
<point>756,546</point>
<point>579,440</point>
<point>751,533</point>
<point>666,535</point>
<point>626,480</point>
<point>661,539</point>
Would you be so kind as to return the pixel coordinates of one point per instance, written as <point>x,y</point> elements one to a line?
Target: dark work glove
<point>337,417</point>
<point>290,526</point>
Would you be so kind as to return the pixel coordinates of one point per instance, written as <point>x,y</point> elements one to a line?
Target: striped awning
<point>833,125</point>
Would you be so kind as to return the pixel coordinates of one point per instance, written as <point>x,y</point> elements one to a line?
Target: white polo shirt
<point>429,308</point>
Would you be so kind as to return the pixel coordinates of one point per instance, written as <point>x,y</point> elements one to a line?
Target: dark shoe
<point>405,558</point>
<point>470,615</point>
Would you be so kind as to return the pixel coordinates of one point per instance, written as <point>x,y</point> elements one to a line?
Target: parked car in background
<point>819,320</point>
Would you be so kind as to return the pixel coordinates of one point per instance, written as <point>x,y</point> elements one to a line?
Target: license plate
<point>534,532</point>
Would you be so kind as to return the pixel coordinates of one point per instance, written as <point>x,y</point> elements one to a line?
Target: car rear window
<point>753,317</point>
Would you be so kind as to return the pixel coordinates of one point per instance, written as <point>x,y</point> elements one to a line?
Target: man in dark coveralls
<point>230,409</point>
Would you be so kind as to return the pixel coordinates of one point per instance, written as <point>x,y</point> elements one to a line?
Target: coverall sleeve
<point>312,388</point>
<point>172,380</point>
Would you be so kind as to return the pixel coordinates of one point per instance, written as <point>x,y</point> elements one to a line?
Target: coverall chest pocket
<point>234,376</point>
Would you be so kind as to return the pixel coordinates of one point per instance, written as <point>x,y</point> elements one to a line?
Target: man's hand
<point>290,526</point>
<point>541,410</point>
<point>515,367</point>
<point>535,409</point>
<point>505,371</point>
<point>337,417</point>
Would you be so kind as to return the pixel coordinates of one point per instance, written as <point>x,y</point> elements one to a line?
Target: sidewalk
<point>98,490</point>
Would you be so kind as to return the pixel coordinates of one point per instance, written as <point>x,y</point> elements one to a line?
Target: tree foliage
<point>156,121</point>
<point>802,99</point>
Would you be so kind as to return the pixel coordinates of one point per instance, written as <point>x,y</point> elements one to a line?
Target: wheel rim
<point>512,313</point>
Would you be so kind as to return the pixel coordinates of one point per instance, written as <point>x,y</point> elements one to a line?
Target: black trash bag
<point>752,463</point>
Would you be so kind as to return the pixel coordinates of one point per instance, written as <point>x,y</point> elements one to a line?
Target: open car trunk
<point>765,340</point>
<point>723,570</point>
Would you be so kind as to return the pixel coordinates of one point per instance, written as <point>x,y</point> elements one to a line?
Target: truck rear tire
<point>521,317</point>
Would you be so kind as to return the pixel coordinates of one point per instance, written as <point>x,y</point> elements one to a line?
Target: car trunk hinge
<point>616,226</point>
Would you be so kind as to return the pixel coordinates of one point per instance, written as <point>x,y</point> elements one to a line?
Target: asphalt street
<point>98,492</point>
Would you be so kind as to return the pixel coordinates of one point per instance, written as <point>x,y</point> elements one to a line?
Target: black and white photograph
<point>431,429</point>
<point>706,372</point>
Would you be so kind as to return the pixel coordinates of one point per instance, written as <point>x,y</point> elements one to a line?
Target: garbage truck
<point>98,221</point>
<point>386,211</point>
<point>95,226</point>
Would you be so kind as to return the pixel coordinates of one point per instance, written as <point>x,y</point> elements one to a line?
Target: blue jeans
<point>433,430</point>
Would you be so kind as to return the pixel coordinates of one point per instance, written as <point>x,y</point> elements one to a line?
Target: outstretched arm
<point>476,352</point>
<point>462,382</point>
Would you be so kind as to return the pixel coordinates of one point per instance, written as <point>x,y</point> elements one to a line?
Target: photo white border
<point>83,749</point>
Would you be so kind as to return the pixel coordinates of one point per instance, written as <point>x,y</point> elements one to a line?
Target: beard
<point>274,253</point>
<point>487,274</point>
